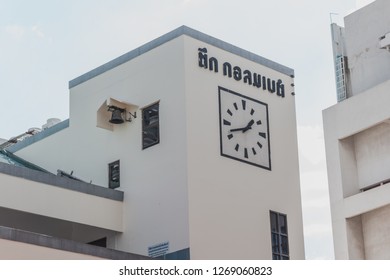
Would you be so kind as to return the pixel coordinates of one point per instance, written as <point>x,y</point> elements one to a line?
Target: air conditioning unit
<point>384,41</point>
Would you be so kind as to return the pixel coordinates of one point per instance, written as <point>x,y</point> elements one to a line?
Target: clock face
<point>244,129</point>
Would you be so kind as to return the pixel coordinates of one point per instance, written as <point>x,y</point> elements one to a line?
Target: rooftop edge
<point>183,30</point>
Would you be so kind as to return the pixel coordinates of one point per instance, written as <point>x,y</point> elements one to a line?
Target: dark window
<point>114,175</point>
<point>150,126</point>
<point>279,236</point>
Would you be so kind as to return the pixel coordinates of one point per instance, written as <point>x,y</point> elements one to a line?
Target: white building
<point>357,135</point>
<point>206,158</point>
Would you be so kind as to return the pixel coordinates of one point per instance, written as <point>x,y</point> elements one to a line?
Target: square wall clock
<point>244,129</point>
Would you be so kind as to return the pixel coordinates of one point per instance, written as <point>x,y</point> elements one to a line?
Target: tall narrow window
<point>279,236</point>
<point>150,126</point>
<point>114,175</point>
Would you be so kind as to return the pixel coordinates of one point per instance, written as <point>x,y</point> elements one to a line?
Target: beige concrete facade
<point>44,216</point>
<point>17,244</point>
<point>182,191</point>
<point>13,250</point>
<point>37,198</point>
<point>357,139</point>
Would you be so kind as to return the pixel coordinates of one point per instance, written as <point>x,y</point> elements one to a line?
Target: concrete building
<point>199,139</point>
<point>45,216</point>
<point>357,135</point>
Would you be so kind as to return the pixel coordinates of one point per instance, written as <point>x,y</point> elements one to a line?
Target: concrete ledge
<point>62,182</point>
<point>354,114</point>
<point>65,245</point>
<point>367,201</point>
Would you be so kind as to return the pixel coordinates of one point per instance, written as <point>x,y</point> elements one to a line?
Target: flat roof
<point>183,30</point>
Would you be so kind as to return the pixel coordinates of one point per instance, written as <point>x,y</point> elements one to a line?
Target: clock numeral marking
<point>235,105</point>
<point>246,153</point>
<point>262,134</point>
<point>230,136</point>
<point>243,104</point>
<point>258,122</point>
<point>252,112</point>
<point>258,144</point>
<point>237,147</point>
<point>229,112</point>
<point>225,122</point>
<point>254,151</point>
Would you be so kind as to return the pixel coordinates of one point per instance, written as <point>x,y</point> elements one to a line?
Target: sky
<point>46,43</point>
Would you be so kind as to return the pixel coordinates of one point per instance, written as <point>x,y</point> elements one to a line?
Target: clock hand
<point>244,129</point>
<point>237,129</point>
<point>248,126</point>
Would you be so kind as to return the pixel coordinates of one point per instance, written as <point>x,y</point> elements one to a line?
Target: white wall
<point>369,65</point>
<point>372,149</point>
<point>357,138</point>
<point>357,145</point>
<point>376,227</point>
<point>181,190</point>
<point>355,238</point>
<point>229,200</point>
<point>26,196</point>
<point>13,250</point>
<point>153,180</point>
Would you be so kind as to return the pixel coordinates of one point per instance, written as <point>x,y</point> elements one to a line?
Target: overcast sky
<point>44,44</point>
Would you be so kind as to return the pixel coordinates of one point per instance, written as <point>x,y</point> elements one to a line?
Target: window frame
<point>152,126</point>
<point>279,236</point>
<point>111,183</point>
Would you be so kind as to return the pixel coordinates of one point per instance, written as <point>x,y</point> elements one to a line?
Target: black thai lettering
<point>280,88</point>
<point>213,62</point>
<point>237,73</point>
<point>227,69</point>
<point>202,58</point>
<point>247,77</point>
<point>256,80</point>
<point>271,85</point>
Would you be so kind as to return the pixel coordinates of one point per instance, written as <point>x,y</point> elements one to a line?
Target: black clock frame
<point>221,132</point>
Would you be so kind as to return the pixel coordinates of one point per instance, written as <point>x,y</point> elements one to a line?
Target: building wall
<point>14,250</point>
<point>51,205</point>
<point>367,235</point>
<point>368,64</point>
<point>182,191</point>
<point>19,194</point>
<point>229,201</point>
<point>356,250</point>
<point>376,228</point>
<point>357,140</point>
<point>372,150</point>
<point>154,180</point>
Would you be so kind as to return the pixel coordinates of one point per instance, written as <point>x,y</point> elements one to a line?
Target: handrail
<point>375,185</point>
